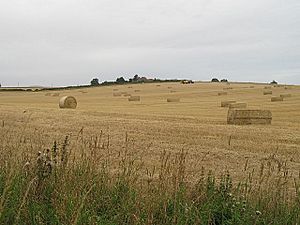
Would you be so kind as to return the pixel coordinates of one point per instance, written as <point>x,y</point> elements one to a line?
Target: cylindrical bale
<point>276,99</point>
<point>238,105</point>
<point>222,93</point>
<point>267,87</point>
<point>227,88</point>
<point>127,95</point>
<point>173,99</point>
<point>226,103</point>
<point>68,102</point>
<point>268,92</point>
<point>286,95</point>
<point>134,98</point>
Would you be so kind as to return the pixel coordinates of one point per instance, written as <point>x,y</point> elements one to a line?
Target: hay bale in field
<point>286,95</point>
<point>227,88</point>
<point>267,92</point>
<point>67,102</point>
<point>134,98</point>
<point>169,87</point>
<point>227,103</point>
<point>267,87</point>
<point>247,116</point>
<point>127,95</point>
<point>172,91</point>
<point>158,85</point>
<point>276,99</point>
<point>238,105</point>
<point>173,99</point>
<point>117,94</point>
<point>129,87</point>
<point>115,89</point>
<point>251,87</point>
<point>222,93</point>
<point>137,90</point>
<point>55,94</point>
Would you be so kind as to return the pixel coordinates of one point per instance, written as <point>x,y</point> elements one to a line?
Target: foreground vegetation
<point>98,185</point>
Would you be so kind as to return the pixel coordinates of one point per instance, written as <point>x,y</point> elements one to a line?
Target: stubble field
<point>196,124</point>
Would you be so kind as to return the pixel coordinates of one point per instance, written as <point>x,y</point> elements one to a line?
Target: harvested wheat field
<point>198,124</point>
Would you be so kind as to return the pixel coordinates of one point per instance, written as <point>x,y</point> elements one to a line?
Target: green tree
<point>95,82</point>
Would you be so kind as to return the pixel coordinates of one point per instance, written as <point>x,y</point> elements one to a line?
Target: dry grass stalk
<point>227,103</point>
<point>222,93</point>
<point>276,99</point>
<point>134,98</point>
<point>68,102</point>
<point>173,99</point>
<point>238,105</point>
<point>267,92</point>
<point>246,116</point>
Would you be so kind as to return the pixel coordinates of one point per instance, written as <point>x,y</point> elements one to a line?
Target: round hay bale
<point>134,98</point>
<point>55,94</point>
<point>127,95</point>
<point>267,87</point>
<point>276,99</point>
<point>67,102</point>
<point>137,90</point>
<point>173,99</point>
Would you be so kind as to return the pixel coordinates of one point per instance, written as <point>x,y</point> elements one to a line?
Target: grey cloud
<point>69,42</point>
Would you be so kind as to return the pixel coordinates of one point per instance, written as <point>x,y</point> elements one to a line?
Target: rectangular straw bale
<point>173,99</point>
<point>226,103</point>
<point>239,105</point>
<point>286,95</point>
<point>276,99</point>
<point>222,93</point>
<point>117,94</point>
<point>268,92</point>
<point>134,98</point>
<point>246,116</point>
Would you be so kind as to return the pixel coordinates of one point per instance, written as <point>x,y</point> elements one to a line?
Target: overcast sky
<point>68,42</point>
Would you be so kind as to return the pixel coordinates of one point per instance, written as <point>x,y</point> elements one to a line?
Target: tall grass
<point>99,185</point>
